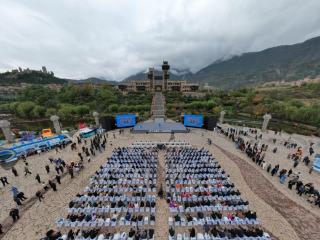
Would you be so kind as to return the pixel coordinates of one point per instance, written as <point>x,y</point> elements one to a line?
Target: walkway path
<point>162,213</point>
<point>305,223</point>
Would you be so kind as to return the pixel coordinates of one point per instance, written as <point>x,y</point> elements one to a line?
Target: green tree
<point>82,110</point>
<point>38,111</point>
<point>24,109</point>
<point>50,112</point>
<point>113,108</point>
<point>66,111</point>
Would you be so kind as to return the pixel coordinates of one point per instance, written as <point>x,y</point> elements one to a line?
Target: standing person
<point>47,168</point>
<point>296,162</point>
<point>310,170</point>
<point>283,178</point>
<point>53,185</point>
<point>14,171</point>
<point>275,170</point>
<point>61,168</point>
<point>57,169</point>
<point>26,171</point>
<point>14,191</point>
<point>269,167</point>
<point>17,200</point>
<point>38,178</point>
<point>14,213</point>
<point>58,178</point>
<point>4,181</point>
<point>70,170</point>
<point>301,189</point>
<point>39,195</point>
<point>80,156</point>
<point>21,196</point>
<point>311,151</point>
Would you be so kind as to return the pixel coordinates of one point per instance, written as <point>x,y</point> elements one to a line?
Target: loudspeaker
<point>209,123</point>
<point>108,123</point>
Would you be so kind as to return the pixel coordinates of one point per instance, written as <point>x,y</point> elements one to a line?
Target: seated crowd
<point>201,197</point>
<point>121,195</point>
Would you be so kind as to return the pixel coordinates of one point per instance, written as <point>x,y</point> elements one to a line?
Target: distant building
<point>44,69</point>
<point>154,83</point>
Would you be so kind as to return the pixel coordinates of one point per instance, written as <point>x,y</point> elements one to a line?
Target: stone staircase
<point>158,106</point>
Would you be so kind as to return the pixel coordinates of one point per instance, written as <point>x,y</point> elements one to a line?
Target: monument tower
<point>165,75</point>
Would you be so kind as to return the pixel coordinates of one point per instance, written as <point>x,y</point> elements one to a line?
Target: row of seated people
<point>115,206</point>
<point>98,219</point>
<point>123,170</point>
<point>124,181</point>
<point>214,218</point>
<point>219,187</point>
<point>213,202</point>
<point>208,205</point>
<point>96,234</point>
<point>215,233</point>
<point>100,195</point>
<point>121,188</point>
<point>203,196</point>
<point>127,175</point>
<point>190,178</point>
<point>117,195</point>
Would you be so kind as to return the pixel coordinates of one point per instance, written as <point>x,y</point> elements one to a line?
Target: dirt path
<point>305,223</point>
<point>162,213</point>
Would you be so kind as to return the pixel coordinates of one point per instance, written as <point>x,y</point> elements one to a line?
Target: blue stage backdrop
<point>125,120</point>
<point>191,120</point>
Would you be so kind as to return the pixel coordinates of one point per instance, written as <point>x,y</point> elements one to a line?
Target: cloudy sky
<point>113,39</point>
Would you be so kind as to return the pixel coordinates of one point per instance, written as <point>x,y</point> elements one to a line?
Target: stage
<point>159,125</point>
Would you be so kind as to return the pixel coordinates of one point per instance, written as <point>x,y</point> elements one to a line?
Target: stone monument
<point>221,119</point>
<point>266,119</point>
<point>96,118</point>
<point>56,123</point>
<point>5,126</point>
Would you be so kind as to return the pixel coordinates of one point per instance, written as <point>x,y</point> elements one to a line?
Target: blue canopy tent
<point>316,163</point>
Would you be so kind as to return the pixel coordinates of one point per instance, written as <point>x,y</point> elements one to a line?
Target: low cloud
<point>113,39</point>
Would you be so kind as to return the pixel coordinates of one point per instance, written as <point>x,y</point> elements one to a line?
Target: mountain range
<point>282,63</point>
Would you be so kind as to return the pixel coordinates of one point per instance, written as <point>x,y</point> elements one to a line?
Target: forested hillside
<point>290,106</point>
<point>291,62</point>
<point>31,77</point>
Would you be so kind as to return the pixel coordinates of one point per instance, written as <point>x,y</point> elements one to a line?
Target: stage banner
<point>125,120</point>
<point>191,120</point>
